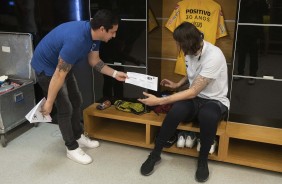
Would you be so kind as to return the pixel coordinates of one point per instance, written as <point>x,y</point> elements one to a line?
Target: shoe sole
<point>180,146</point>
<point>152,170</point>
<point>201,181</point>
<point>77,161</point>
<point>83,146</point>
<point>212,150</point>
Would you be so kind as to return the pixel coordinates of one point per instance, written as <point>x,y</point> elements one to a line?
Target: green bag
<point>136,108</point>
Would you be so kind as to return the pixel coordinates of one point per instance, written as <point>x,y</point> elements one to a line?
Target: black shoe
<point>202,173</point>
<point>171,141</point>
<point>147,167</point>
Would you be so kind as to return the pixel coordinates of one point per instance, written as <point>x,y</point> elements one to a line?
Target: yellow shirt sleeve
<point>174,19</point>
<point>180,67</point>
<point>221,30</point>
<point>152,21</point>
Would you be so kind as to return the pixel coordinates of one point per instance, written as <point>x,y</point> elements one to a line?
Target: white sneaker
<point>79,156</point>
<point>190,140</point>
<point>198,144</point>
<point>180,141</point>
<point>212,149</point>
<point>84,141</point>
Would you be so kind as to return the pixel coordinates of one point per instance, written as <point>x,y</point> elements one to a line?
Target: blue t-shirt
<point>70,41</point>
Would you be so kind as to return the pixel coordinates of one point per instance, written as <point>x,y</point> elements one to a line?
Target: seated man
<point>205,100</point>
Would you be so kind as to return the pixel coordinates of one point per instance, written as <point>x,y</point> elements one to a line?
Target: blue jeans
<point>68,104</point>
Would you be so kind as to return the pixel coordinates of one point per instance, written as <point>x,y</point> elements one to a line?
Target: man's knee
<point>64,109</point>
<point>211,112</point>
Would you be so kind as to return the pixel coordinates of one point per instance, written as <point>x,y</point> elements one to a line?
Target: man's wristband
<point>114,74</point>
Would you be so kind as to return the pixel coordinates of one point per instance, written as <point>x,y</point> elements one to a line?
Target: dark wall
<point>257,77</point>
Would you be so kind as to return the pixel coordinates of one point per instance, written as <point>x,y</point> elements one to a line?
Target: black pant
<point>68,104</point>
<point>206,112</point>
<point>248,45</point>
<point>242,57</point>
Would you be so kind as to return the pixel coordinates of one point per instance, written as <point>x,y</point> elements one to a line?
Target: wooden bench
<point>138,130</point>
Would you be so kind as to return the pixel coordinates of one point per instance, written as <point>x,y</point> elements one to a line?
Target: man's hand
<point>169,83</point>
<point>150,99</point>
<point>121,76</point>
<point>46,108</point>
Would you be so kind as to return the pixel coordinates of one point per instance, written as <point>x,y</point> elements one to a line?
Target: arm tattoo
<point>99,66</point>
<point>200,83</point>
<point>63,66</point>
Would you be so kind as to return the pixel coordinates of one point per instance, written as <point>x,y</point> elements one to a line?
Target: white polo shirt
<point>212,64</point>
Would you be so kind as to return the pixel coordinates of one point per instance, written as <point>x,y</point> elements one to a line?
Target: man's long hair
<point>105,18</point>
<point>188,37</point>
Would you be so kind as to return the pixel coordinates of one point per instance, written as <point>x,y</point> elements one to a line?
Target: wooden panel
<point>191,152</point>
<point>154,132</point>
<point>229,8</point>
<point>254,133</point>
<point>110,125</point>
<point>88,127</point>
<point>154,67</point>
<point>168,7</point>
<point>118,131</point>
<point>254,154</point>
<point>155,41</point>
<point>230,26</point>
<point>148,134</point>
<point>223,146</point>
<point>112,113</point>
<point>194,127</point>
<point>127,128</point>
<point>169,49</point>
<point>156,7</point>
<point>148,118</point>
<point>226,43</point>
<point>168,71</point>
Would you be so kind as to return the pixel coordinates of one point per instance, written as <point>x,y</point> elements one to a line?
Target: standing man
<point>205,101</point>
<point>53,60</point>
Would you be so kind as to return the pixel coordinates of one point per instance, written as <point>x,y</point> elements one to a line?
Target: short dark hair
<point>188,37</point>
<point>105,18</point>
